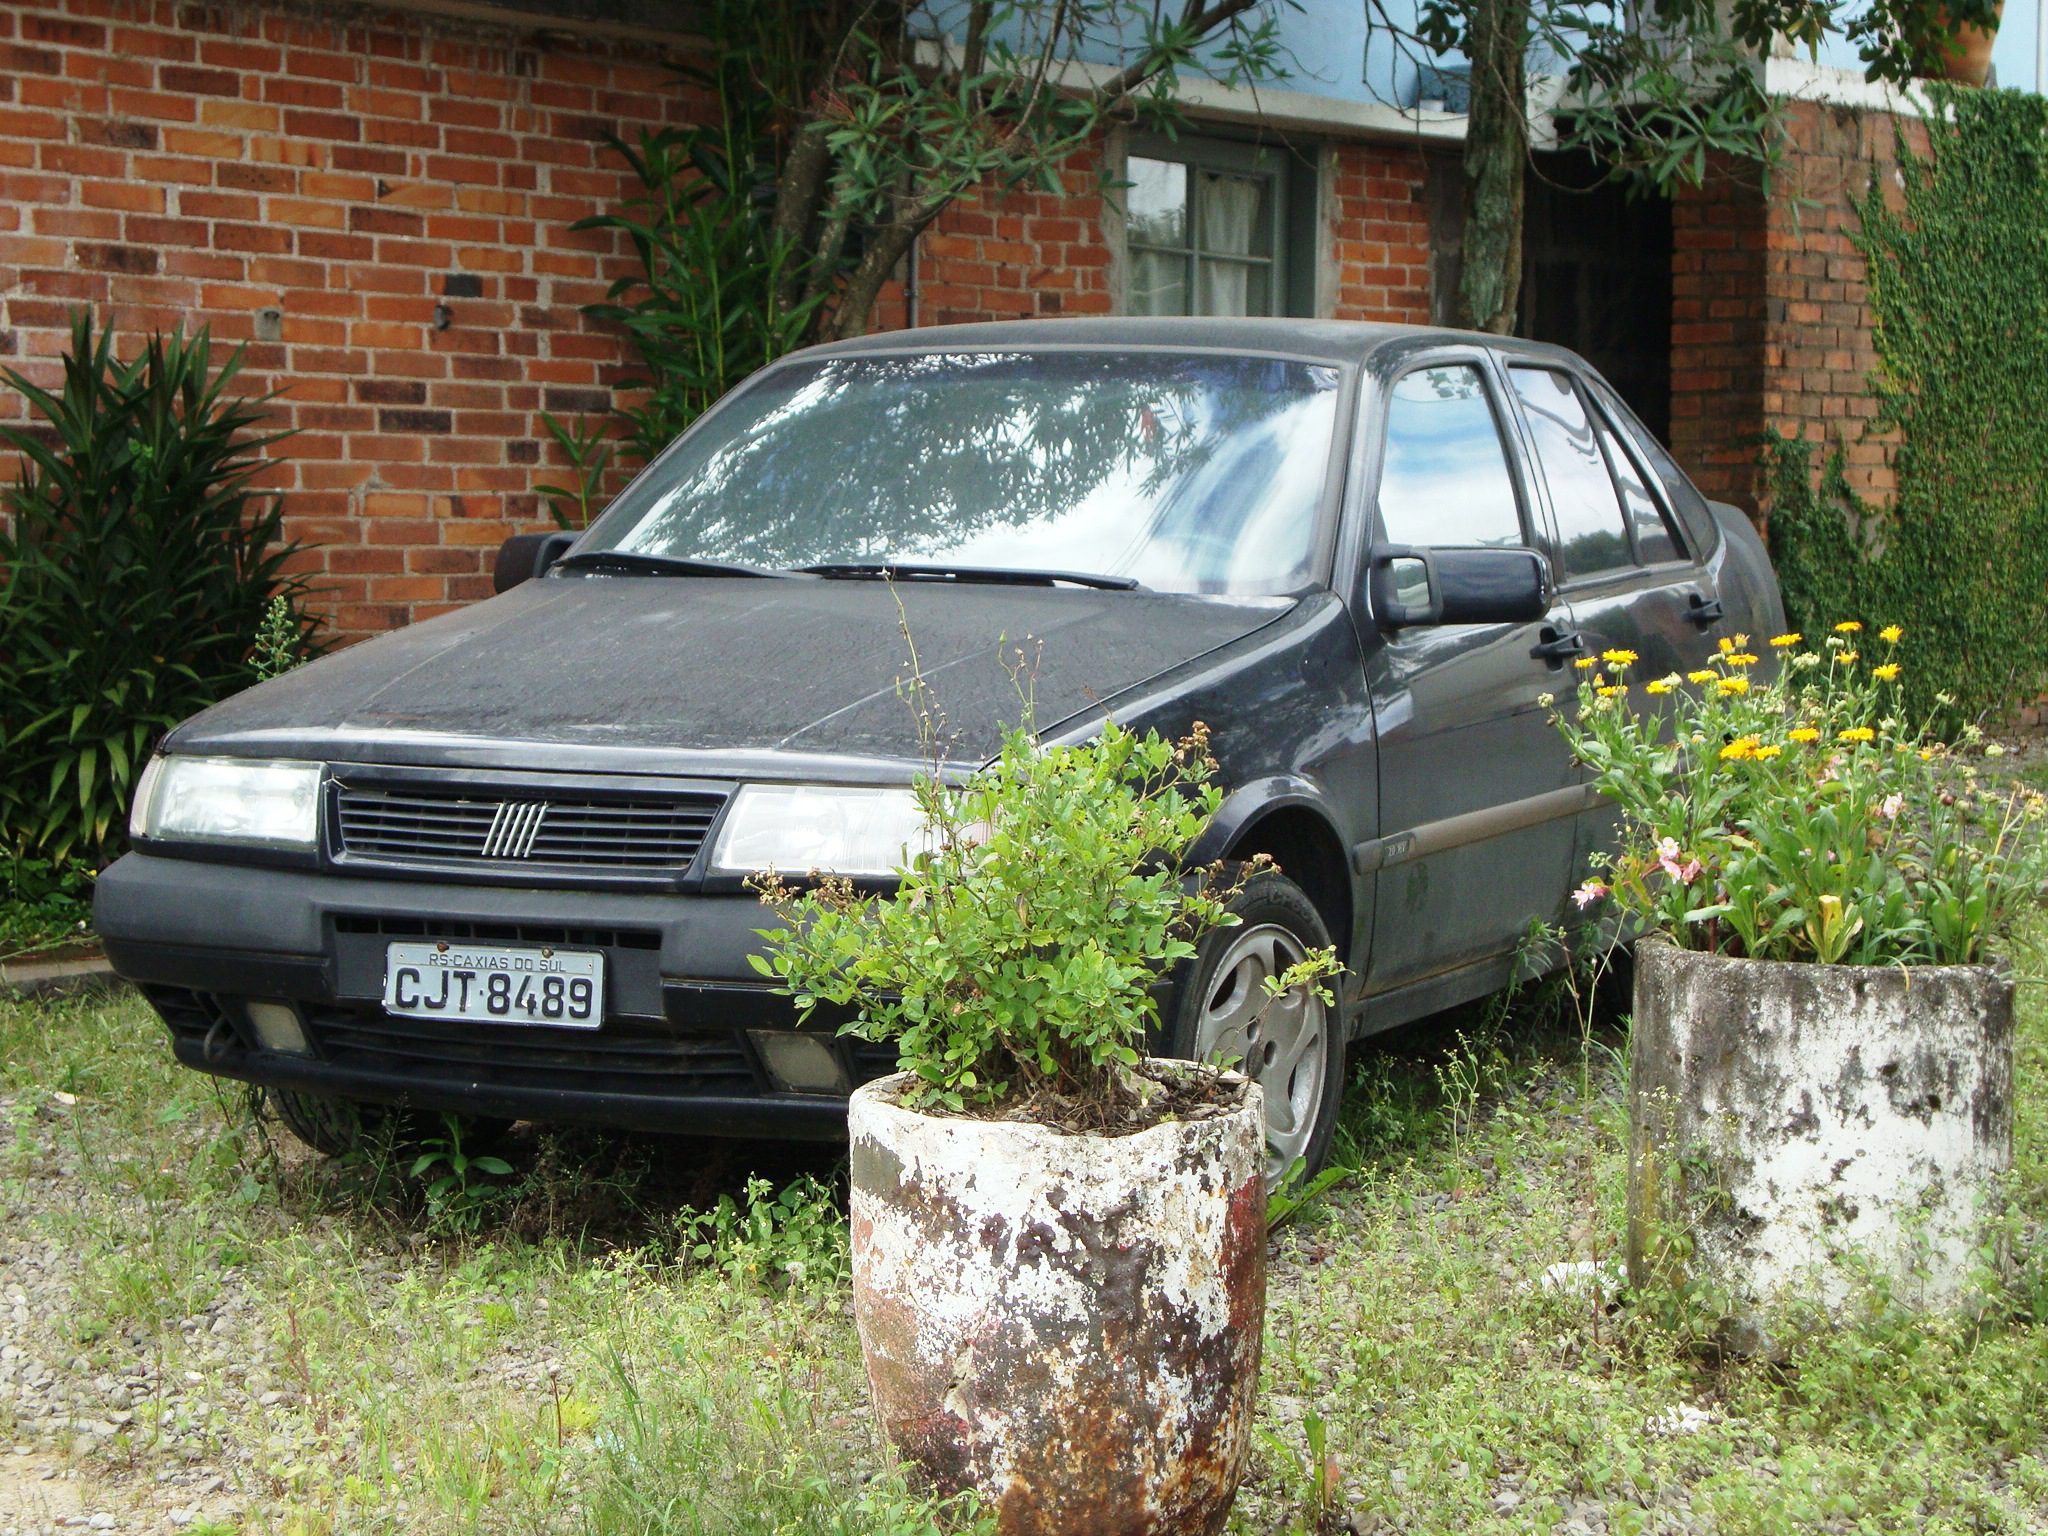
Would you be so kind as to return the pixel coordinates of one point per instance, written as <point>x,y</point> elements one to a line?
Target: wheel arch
<point>1288,824</point>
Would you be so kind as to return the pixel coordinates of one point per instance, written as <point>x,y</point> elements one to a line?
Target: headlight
<point>797,828</point>
<point>249,802</point>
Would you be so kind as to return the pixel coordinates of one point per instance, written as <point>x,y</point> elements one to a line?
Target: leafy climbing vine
<point>1959,293</point>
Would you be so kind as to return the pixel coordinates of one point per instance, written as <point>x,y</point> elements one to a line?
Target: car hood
<point>720,675</point>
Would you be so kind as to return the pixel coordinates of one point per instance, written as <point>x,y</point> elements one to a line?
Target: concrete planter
<point>1789,1115</point>
<point>1069,1325</point>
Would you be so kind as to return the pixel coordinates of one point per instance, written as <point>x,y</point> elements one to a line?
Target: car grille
<point>604,1060</point>
<point>521,829</point>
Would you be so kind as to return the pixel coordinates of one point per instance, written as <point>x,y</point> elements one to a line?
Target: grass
<point>651,1336</point>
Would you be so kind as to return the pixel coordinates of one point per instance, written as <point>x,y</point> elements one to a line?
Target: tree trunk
<point>1496,158</point>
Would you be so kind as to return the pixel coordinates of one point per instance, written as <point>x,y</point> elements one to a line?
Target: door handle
<point>1704,611</point>
<point>1558,649</point>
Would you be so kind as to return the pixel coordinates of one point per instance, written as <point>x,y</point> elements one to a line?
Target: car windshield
<point>1183,473</point>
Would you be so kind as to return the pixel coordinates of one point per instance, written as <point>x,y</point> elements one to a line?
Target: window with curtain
<point>1205,229</point>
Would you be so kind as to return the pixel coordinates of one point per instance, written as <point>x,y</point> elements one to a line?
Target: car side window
<point>1679,493</point>
<point>1444,477</point>
<point>1656,537</point>
<point>1591,535</point>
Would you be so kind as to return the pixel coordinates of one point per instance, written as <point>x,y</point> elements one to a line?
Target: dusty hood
<point>710,674</point>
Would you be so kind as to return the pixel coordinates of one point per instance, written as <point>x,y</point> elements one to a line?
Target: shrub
<point>1802,817</point>
<point>139,564</point>
<point>1015,960</point>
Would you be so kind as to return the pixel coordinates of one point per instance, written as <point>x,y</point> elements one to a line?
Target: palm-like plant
<point>137,561</point>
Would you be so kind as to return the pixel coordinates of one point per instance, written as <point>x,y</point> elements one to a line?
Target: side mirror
<point>1457,586</point>
<point>525,556</point>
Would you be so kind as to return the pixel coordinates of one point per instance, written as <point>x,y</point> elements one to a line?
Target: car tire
<point>335,1127</point>
<point>1294,1049</point>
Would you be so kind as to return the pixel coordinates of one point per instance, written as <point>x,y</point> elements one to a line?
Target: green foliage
<point>140,562</point>
<point>459,1182</point>
<point>1019,950</point>
<point>1959,299</point>
<point>1802,817</point>
<point>588,453</point>
<point>796,1236</point>
<point>42,904</point>
<point>281,640</point>
<point>706,307</point>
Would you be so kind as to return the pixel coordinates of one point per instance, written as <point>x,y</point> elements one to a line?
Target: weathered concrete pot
<point>1789,1115</point>
<point>1068,1325</point>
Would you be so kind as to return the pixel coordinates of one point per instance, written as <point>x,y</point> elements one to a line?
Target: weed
<point>460,1189</point>
<point>1315,1474</point>
<point>796,1236</point>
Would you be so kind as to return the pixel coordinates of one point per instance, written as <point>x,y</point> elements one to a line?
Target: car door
<point>1628,572</point>
<point>1476,838</point>
<point>1629,576</point>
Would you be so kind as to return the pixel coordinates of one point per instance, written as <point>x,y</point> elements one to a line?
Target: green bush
<point>136,565</point>
<point>1959,299</point>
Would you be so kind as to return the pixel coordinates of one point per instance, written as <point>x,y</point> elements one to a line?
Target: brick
<point>188,80</point>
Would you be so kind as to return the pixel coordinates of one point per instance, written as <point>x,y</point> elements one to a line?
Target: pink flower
<point>1667,859</point>
<point>1589,893</point>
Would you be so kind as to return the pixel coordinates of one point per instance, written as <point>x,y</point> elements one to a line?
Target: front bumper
<point>678,1052</point>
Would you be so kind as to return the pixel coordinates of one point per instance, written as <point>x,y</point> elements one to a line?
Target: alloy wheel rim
<point>1278,1041</point>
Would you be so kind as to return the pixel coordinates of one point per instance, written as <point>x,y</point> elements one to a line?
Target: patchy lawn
<point>199,1331</point>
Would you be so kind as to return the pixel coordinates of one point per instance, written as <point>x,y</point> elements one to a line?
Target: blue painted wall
<point>1330,49</point>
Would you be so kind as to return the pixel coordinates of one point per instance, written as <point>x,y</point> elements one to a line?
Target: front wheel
<point>1291,1046</point>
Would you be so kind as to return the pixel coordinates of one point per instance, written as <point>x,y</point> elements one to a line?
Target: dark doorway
<point>1596,277</point>
<point>1596,272</point>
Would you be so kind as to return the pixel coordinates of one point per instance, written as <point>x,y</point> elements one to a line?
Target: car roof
<point>1375,344</point>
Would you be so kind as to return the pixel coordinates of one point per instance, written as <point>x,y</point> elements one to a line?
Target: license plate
<point>495,984</point>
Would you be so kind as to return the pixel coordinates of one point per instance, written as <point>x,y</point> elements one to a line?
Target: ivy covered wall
<point>1958,289</point>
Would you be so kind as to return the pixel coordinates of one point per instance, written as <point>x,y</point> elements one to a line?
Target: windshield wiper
<point>891,569</point>
<point>628,562</point>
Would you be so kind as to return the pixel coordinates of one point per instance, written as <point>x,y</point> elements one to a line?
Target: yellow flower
<point>1727,645</point>
<point>1890,634</point>
<point>1781,641</point>
<point>1658,685</point>
<point>1618,658</point>
<point>1847,627</point>
<point>1739,748</point>
<point>1885,673</point>
<point>1856,733</point>
<point>1765,754</point>
<point>1612,690</point>
<point>1586,661</point>
<point>1732,685</point>
<point>1803,733</point>
<point>1845,657</point>
<point>1701,676</point>
<point>1740,659</point>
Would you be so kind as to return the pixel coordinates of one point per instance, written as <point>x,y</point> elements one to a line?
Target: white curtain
<point>1229,208</point>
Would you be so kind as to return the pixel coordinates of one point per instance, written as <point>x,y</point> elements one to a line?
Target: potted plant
<point>1821,1056</point>
<point>1058,1244</point>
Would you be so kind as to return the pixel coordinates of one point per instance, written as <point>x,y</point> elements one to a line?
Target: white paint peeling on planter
<point>1069,1324</point>
<point>1824,1111</point>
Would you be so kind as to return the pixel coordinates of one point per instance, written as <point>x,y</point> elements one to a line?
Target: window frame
<point>1652,485</point>
<point>1224,156</point>
<point>1504,433</point>
<point>1566,579</point>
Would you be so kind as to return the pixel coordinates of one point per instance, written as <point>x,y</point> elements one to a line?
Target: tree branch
<point>1199,19</point>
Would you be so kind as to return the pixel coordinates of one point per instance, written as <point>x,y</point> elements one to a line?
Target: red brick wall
<point>1021,256</point>
<point>1770,307</point>
<point>380,207</point>
<point>165,162</point>
<point>1378,222</point>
